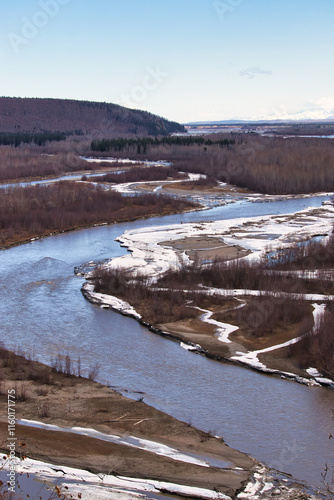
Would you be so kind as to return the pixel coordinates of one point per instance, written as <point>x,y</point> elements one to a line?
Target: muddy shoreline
<point>216,353</point>
<point>66,420</point>
<point>69,401</point>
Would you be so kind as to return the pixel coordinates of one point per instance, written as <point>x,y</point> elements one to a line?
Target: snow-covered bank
<point>150,257</point>
<point>152,254</point>
<point>266,484</point>
<point>134,442</point>
<point>86,485</point>
<point>248,359</point>
<point>122,307</point>
<point>110,301</point>
<point>78,483</point>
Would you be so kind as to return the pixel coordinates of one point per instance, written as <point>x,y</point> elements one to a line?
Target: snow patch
<point>90,485</point>
<point>223,329</point>
<point>143,444</point>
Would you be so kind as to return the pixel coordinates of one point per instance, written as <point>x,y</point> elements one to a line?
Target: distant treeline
<point>93,119</point>
<point>267,165</point>
<point>40,139</point>
<point>271,165</point>
<point>142,145</point>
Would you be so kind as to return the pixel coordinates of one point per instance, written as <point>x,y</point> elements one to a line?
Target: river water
<point>43,311</point>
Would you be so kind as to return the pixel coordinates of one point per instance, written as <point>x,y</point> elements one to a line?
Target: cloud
<point>254,71</point>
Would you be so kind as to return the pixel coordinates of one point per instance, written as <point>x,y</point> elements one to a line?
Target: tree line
<point>143,145</point>
<point>40,139</point>
<point>25,163</point>
<point>271,165</point>
<point>39,210</point>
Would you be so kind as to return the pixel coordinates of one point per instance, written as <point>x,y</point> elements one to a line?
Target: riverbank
<point>217,331</point>
<point>45,310</point>
<point>37,211</point>
<point>67,425</point>
<point>50,409</point>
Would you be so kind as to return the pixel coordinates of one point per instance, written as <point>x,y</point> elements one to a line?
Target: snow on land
<point>106,301</point>
<point>223,329</point>
<point>257,234</point>
<point>130,187</point>
<point>267,484</point>
<point>318,312</point>
<point>251,357</point>
<point>256,487</point>
<point>226,292</point>
<point>109,160</point>
<point>98,485</point>
<point>133,442</point>
<point>318,377</point>
<point>191,347</point>
<point>149,257</point>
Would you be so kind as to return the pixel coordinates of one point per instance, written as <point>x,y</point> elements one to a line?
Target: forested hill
<point>97,119</point>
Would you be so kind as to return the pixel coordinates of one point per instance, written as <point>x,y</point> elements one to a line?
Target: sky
<point>185,60</point>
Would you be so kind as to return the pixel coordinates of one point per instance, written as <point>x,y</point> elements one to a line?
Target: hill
<point>82,118</point>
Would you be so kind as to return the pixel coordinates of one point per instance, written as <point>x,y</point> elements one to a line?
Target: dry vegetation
<point>155,306</point>
<point>261,317</point>
<point>38,210</point>
<point>203,181</point>
<point>316,348</point>
<point>271,165</point>
<point>27,163</point>
<point>138,174</point>
<point>176,295</point>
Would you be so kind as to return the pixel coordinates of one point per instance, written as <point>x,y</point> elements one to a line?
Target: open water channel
<point>42,310</point>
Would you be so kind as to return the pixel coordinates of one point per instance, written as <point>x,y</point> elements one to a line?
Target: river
<point>282,423</point>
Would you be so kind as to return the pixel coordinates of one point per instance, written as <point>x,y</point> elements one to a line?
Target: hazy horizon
<point>191,61</point>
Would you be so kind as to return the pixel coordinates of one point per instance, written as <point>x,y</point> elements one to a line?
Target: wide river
<point>43,312</point>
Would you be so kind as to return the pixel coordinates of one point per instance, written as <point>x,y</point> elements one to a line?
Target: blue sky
<point>186,60</point>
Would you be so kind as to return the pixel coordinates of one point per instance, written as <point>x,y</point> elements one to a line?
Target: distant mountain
<point>296,119</point>
<point>95,119</point>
